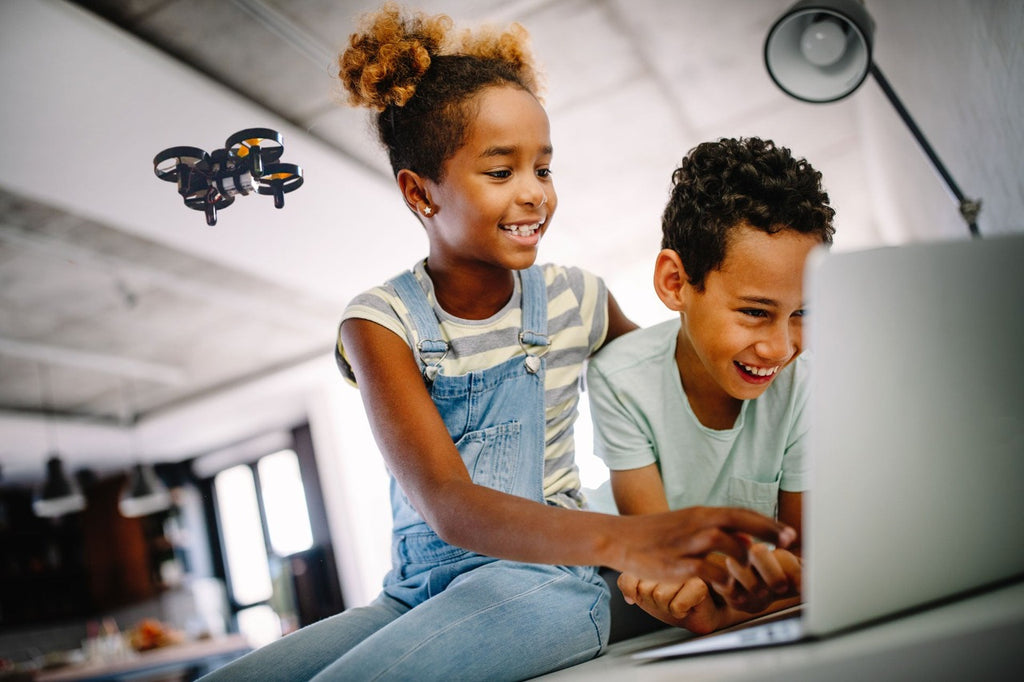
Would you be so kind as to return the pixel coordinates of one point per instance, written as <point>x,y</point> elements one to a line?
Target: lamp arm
<point>969,208</point>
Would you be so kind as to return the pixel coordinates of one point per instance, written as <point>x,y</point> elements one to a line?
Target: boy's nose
<point>780,344</point>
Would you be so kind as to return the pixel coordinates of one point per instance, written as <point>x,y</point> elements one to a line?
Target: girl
<point>468,366</point>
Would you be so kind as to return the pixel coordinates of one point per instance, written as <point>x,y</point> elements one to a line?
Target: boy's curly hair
<point>722,185</point>
<point>421,77</point>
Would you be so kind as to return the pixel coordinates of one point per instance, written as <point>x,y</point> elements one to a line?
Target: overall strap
<point>535,316</point>
<point>432,347</point>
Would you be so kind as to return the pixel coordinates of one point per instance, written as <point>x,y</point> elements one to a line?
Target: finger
<point>792,567</point>
<point>765,562</point>
<point>744,575</point>
<point>716,540</point>
<point>664,592</point>
<point>627,583</point>
<point>691,595</point>
<point>739,520</point>
<point>716,573</point>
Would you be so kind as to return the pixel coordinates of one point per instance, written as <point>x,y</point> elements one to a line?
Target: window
<point>263,519</point>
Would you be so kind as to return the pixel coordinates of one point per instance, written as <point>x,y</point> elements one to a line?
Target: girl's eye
<point>799,313</point>
<point>754,312</point>
<point>544,172</point>
<point>502,174</point>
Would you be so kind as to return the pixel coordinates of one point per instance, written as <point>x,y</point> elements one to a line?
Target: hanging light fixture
<point>820,51</point>
<point>144,493</point>
<point>58,494</point>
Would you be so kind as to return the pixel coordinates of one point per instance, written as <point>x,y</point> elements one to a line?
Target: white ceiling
<point>120,306</point>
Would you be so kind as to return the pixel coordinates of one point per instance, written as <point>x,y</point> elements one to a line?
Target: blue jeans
<point>447,613</point>
<point>498,621</point>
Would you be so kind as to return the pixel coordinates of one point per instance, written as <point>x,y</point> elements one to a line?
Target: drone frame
<point>209,182</point>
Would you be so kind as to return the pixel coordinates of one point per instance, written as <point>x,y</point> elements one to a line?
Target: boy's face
<point>747,323</point>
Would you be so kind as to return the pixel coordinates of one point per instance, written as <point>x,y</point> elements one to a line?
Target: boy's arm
<point>791,513</point>
<point>639,491</point>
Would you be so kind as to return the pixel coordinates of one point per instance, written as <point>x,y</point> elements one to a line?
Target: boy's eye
<point>544,172</point>
<point>800,313</point>
<point>499,173</point>
<point>754,312</point>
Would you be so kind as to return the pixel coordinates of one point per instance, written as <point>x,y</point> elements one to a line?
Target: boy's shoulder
<point>642,346</point>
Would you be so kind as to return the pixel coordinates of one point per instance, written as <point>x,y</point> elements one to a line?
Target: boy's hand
<point>690,605</point>
<point>771,574</point>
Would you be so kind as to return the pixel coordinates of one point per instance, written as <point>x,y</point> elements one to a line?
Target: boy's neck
<point>713,407</point>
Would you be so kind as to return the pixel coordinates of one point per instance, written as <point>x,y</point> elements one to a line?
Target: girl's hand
<point>678,545</point>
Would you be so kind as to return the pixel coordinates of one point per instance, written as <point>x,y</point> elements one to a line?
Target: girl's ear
<point>670,280</point>
<point>415,192</point>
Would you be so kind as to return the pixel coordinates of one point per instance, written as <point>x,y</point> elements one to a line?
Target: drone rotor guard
<point>278,179</point>
<point>256,146</point>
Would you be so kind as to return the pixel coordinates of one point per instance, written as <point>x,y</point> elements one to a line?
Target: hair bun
<point>510,45</point>
<point>385,61</point>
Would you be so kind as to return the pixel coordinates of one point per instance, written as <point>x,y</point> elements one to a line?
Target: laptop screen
<point>917,426</point>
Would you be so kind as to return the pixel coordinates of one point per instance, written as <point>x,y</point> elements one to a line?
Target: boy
<point>708,408</point>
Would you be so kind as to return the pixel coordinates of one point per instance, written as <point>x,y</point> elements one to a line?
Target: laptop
<point>916,435</point>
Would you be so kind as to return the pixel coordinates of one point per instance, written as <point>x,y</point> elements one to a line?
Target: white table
<point>977,638</point>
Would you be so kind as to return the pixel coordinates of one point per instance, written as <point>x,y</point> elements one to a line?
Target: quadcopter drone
<point>210,182</point>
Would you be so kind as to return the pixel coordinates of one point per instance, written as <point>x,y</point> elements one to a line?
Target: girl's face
<point>497,198</point>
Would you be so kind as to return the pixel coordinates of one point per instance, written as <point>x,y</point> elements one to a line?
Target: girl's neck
<point>471,294</point>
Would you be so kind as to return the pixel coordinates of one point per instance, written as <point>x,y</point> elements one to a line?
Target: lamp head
<point>820,50</point>
<point>58,495</point>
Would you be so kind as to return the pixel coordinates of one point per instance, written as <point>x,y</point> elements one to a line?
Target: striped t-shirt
<point>577,326</point>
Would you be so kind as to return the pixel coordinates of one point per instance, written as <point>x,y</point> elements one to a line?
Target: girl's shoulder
<point>580,283</point>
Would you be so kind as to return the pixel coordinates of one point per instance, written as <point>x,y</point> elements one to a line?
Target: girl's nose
<point>534,193</point>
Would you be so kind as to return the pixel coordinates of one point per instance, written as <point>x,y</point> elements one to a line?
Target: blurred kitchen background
<point>136,338</point>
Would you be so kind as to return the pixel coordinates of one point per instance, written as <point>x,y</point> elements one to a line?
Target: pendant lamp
<point>144,493</point>
<point>58,495</point>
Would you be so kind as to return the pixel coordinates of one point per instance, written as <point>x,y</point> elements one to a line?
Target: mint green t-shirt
<point>642,416</point>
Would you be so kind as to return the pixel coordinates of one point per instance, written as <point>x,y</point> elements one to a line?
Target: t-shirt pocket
<point>756,495</point>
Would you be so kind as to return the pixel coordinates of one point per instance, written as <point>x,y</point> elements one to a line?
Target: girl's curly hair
<point>722,185</point>
<point>420,76</point>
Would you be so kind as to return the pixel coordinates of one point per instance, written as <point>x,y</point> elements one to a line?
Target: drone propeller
<point>169,163</point>
<point>209,182</point>
<point>258,146</point>
<point>279,179</point>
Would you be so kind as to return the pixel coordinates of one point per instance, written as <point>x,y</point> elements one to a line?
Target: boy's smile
<point>747,323</point>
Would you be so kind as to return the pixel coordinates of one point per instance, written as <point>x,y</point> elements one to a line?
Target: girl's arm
<point>420,454</point>
<point>618,323</point>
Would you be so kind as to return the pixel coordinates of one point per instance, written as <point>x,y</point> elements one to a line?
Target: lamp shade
<point>58,495</point>
<point>143,494</point>
<point>820,50</point>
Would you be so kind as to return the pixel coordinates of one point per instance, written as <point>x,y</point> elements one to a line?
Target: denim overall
<point>447,613</point>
